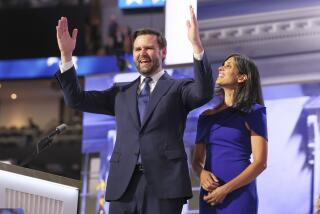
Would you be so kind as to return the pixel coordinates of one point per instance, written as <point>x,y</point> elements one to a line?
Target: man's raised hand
<point>66,42</point>
<point>193,32</point>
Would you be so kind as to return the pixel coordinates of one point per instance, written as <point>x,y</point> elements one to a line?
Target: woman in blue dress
<point>227,136</point>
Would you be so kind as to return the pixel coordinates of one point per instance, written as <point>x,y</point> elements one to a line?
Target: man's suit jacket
<point>160,135</point>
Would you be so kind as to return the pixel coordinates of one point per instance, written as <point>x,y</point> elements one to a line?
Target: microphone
<point>58,130</point>
<point>44,143</point>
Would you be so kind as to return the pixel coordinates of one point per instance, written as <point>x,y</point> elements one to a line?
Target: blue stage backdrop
<point>46,67</point>
<point>135,4</point>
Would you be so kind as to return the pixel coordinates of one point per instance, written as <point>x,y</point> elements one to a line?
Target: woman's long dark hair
<point>248,92</point>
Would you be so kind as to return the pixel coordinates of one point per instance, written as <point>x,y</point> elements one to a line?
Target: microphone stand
<point>42,145</point>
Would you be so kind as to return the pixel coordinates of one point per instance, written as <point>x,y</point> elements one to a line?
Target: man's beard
<point>149,70</point>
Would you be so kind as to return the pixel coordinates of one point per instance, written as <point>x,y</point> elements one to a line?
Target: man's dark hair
<point>162,42</point>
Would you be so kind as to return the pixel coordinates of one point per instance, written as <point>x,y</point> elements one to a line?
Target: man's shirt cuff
<point>198,56</point>
<point>66,66</point>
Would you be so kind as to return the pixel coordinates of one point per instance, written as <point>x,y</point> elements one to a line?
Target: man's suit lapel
<point>163,85</point>
<point>131,98</point>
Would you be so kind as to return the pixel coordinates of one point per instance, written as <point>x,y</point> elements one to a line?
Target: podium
<point>37,192</point>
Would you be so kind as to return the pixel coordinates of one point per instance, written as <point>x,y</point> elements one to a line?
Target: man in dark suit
<point>148,167</point>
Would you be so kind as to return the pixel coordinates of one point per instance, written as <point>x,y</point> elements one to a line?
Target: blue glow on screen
<point>130,4</point>
<point>46,67</point>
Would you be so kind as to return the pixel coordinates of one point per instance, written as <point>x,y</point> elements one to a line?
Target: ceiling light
<point>14,96</point>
